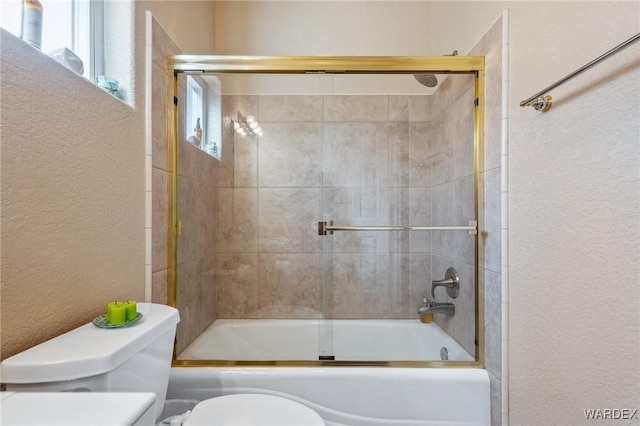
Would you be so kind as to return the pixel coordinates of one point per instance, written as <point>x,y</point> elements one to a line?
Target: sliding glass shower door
<point>315,210</point>
<point>398,211</point>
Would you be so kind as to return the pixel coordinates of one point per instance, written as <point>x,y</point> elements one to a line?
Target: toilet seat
<point>252,410</point>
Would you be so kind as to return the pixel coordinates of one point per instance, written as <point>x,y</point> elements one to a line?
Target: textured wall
<point>72,204</point>
<point>322,28</point>
<point>573,205</point>
<point>73,185</point>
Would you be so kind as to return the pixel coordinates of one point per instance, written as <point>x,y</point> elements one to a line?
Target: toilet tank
<point>88,358</point>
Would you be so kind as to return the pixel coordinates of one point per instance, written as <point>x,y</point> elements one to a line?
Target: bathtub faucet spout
<point>448,309</point>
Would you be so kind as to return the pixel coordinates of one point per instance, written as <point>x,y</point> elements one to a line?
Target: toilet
<point>138,359</point>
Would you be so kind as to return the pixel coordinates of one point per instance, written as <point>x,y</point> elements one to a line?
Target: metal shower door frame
<point>234,64</point>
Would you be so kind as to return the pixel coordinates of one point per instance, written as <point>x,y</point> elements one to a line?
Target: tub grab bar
<point>327,228</point>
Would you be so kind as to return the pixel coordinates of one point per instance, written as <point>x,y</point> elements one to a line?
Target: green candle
<point>116,313</point>
<point>132,310</point>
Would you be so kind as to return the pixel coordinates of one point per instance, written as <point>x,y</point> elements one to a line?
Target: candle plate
<point>101,322</point>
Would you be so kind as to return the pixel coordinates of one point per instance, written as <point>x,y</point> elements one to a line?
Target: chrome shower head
<point>428,80</point>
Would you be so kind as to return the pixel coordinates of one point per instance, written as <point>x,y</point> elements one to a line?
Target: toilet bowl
<point>252,410</point>
<point>138,359</point>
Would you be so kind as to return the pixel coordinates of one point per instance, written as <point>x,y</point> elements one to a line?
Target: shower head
<point>428,80</point>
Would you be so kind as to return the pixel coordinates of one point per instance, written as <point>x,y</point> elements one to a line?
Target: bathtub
<point>342,395</point>
<point>345,340</point>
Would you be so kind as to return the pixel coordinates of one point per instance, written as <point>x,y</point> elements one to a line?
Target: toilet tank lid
<point>88,350</point>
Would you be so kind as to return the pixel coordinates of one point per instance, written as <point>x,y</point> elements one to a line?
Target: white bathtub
<point>343,396</point>
<point>353,396</point>
<point>347,340</point>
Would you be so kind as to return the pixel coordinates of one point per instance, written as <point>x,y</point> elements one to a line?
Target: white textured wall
<point>574,298</point>
<point>322,28</point>
<point>73,181</point>
<point>72,206</point>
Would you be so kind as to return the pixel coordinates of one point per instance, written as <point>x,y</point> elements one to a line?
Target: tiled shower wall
<point>356,160</point>
<point>197,204</point>
<point>492,47</point>
<point>163,267</point>
<point>452,170</point>
<point>197,200</point>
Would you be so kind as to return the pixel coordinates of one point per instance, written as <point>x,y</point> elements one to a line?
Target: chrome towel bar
<point>327,228</point>
<point>542,103</point>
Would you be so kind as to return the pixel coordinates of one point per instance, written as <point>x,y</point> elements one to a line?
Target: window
<point>195,112</point>
<point>74,24</point>
<point>203,123</point>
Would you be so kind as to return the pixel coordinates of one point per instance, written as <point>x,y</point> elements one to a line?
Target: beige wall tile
<point>492,225</point>
<point>399,108</point>
<point>360,286</point>
<point>187,302</point>
<point>238,285</point>
<point>290,155</point>
<point>283,109</point>
<point>206,210</point>
<point>358,207</point>
<point>160,94</point>
<point>493,322</point>
<point>420,215</point>
<point>356,154</point>
<point>160,283</point>
<point>442,136</point>
<point>399,154</point>
<point>224,172</point>
<point>237,220</point>
<point>419,279</point>
<point>400,286</point>
<point>356,108</point>
<point>187,215</point>
<point>163,46</point>
<point>289,283</point>
<point>464,211</point>
<point>161,232</point>
<point>288,220</point>
<point>245,161</point>
<point>238,156</point>
<point>460,119</point>
<point>448,91</point>
<point>493,108</point>
<point>421,154</point>
<point>420,108</point>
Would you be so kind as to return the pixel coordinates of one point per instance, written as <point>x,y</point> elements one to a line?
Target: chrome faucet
<point>436,308</point>
<point>452,283</point>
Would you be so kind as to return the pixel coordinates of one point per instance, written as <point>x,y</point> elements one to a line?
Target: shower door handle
<point>327,228</point>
